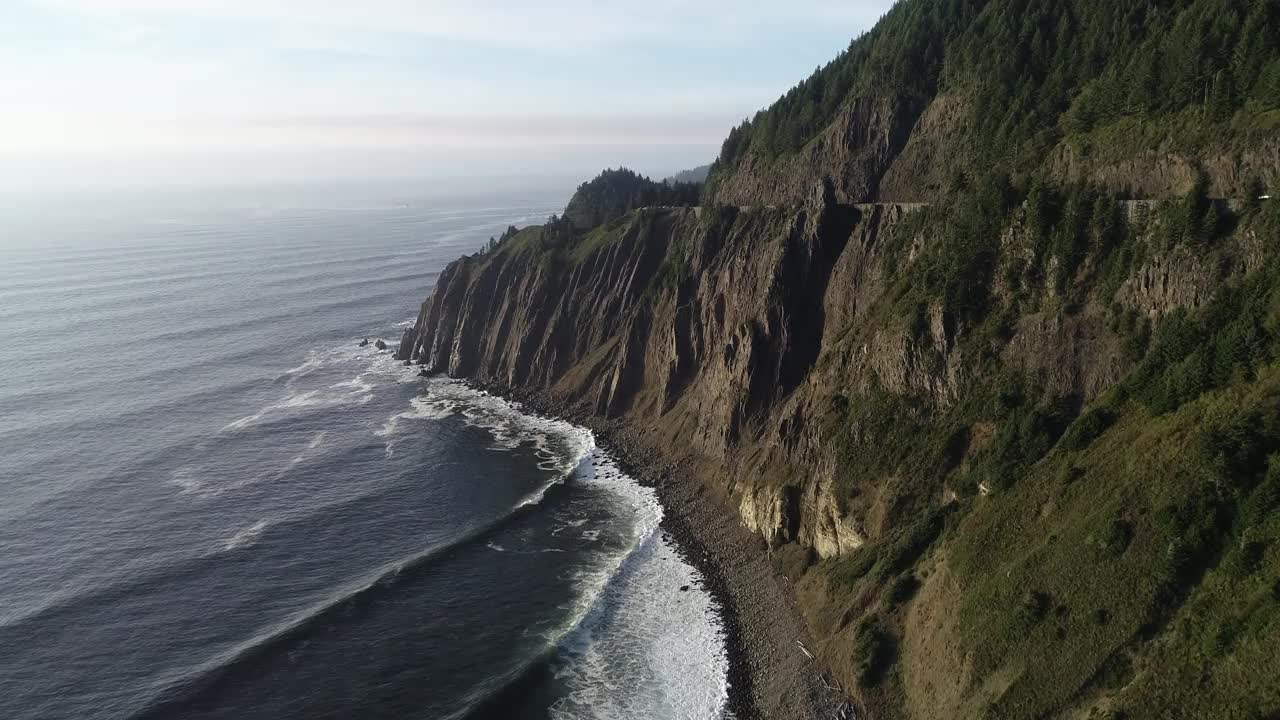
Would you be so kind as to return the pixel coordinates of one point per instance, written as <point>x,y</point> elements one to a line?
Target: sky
<point>135,91</point>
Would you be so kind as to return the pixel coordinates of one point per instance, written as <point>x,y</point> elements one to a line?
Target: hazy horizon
<point>138,93</point>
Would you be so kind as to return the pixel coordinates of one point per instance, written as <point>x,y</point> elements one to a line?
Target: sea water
<point>215,503</point>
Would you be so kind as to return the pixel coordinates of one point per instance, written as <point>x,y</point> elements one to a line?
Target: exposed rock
<point>1164,171</point>
<point>854,153</point>
<point>364,342</point>
<point>380,345</point>
<point>720,362</point>
<point>722,337</point>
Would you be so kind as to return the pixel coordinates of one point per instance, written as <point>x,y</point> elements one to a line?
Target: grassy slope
<point>1127,554</point>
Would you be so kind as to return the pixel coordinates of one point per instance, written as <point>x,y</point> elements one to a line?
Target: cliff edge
<point>977,329</point>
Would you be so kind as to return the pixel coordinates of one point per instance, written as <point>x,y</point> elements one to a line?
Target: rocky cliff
<point>977,328</point>
<point>896,406</point>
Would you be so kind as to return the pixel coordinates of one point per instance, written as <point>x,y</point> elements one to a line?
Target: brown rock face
<point>895,149</point>
<point>853,153</point>
<point>703,325</point>
<point>1165,172</point>
<point>722,337</point>
<point>724,332</point>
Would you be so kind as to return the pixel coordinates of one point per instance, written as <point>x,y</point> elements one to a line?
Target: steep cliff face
<point>886,440</point>
<point>703,325</point>
<point>977,328</point>
<point>855,152</point>
<point>896,149</point>
<point>1155,171</point>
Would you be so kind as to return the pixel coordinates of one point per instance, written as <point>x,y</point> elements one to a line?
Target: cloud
<point>133,77</point>
<point>123,133</point>
<point>559,25</point>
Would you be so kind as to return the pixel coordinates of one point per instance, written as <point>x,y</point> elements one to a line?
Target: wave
<point>90,281</point>
<point>649,617</point>
<point>147,297</point>
<point>614,626</point>
<point>169,700</point>
<point>652,645</point>
<point>421,408</point>
<point>68,386</point>
<point>635,644</point>
<point>68,600</point>
<point>508,424</point>
<point>504,549</point>
<point>349,351</point>
<point>356,391</point>
<point>247,536</point>
<point>218,329</point>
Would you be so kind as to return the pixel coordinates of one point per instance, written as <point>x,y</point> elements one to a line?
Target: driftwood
<point>804,650</point>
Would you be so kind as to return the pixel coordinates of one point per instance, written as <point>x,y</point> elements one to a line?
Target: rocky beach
<point>772,672</point>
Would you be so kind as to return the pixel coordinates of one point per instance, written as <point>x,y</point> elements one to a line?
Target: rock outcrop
<point>854,153</point>
<point>754,343</point>
<point>724,332</point>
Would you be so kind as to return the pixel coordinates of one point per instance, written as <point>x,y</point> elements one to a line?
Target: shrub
<point>1087,428</point>
<point>872,652</point>
<point>903,589</point>
<point>1236,446</point>
<point>1113,539</point>
<point>1070,472</point>
<point>1034,607</point>
<point>1264,500</point>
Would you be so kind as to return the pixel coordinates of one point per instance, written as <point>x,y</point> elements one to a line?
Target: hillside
<point>613,193</point>
<point>1131,95</point>
<point>979,330</point>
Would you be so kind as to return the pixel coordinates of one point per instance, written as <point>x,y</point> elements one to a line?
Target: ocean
<point>215,503</point>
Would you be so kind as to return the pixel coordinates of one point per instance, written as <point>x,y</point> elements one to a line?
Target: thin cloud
<point>559,25</point>
<point>136,80</point>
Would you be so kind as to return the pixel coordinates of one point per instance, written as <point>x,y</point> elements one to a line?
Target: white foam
<point>356,391</point>
<point>648,649</point>
<point>502,549</point>
<point>314,360</point>
<point>421,408</point>
<point>537,496</point>
<point>640,646</point>
<point>246,537</point>
<point>635,645</point>
<point>510,427</point>
<point>185,478</point>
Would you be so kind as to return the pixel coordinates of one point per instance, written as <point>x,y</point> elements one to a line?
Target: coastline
<point>770,676</point>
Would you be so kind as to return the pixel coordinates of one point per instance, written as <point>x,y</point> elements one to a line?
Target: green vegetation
<point>614,193</point>
<point>1039,71</point>
<point>1079,423</point>
<point>1099,542</point>
<point>1144,544</point>
<point>872,652</point>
